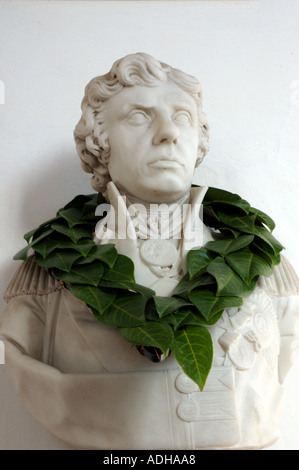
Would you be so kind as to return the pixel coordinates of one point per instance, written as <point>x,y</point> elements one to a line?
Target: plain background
<point>245,54</point>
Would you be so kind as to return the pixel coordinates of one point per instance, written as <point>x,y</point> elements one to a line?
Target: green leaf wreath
<point>219,276</point>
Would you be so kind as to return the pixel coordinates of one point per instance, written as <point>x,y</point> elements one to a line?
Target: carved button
<point>158,252</point>
<point>188,411</point>
<point>185,385</point>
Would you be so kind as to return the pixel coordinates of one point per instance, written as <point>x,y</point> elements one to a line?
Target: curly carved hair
<point>91,136</point>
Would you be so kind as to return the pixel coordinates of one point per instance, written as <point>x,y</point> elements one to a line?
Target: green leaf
<point>210,218</point>
<point>228,282</point>
<point>247,225</point>
<point>185,285</point>
<point>208,304</point>
<point>154,334</point>
<point>264,250</point>
<point>92,202</point>
<point>197,261</point>
<point>75,234</point>
<point>72,215</point>
<point>192,347</point>
<point>264,218</point>
<point>41,236</point>
<point>269,239</point>
<point>61,260</point>
<point>189,317</point>
<point>229,231</point>
<point>106,253</point>
<point>90,274</point>
<point>215,196</point>
<point>228,245</point>
<point>167,305</point>
<point>79,201</point>
<point>22,254</point>
<point>83,246</point>
<point>93,296</point>
<point>248,264</point>
<point>126,310</point>
<point>31,233</point>
<point>242,223</point>
<point>146,292</point>
<point>89,213</point>
<point>45,247</point>
<point>122,270</point>
<point>185,317</point>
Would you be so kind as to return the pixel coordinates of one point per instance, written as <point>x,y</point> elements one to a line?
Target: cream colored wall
<point>245,54</point>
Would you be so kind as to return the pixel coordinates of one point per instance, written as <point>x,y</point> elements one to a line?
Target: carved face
<point>153,138</point>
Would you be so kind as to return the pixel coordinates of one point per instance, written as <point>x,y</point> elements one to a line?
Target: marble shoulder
<point>31,279</point>
<point>284,281</point>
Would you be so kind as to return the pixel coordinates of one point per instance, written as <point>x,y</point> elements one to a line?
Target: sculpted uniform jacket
<point>92,389</point>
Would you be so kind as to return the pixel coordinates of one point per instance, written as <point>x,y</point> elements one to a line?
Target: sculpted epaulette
<point>31,279</point>
<point>284,281</point>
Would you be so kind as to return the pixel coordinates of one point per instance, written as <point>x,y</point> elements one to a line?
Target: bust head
<point>142,126</point>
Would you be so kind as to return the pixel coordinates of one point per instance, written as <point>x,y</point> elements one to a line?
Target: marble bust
<point>141,135</point>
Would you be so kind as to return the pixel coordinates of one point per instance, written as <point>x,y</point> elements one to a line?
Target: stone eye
<point>182,117</point>
<point>137,117</point>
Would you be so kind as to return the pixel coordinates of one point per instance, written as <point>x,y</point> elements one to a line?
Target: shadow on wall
<point>49,187</point>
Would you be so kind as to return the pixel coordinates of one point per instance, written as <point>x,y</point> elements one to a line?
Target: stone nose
<point>166,131</point>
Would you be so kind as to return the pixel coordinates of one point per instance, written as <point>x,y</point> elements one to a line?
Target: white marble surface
<point>244,54</point>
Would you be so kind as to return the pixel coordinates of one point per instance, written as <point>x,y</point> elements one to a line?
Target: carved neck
<point>130,199</point>
<point>157,220</point>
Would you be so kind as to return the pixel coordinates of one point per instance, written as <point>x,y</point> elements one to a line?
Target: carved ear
<point>200,157</point>
<point>203,146</point>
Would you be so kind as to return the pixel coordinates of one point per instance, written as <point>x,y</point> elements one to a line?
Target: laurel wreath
<point>219,276</point>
